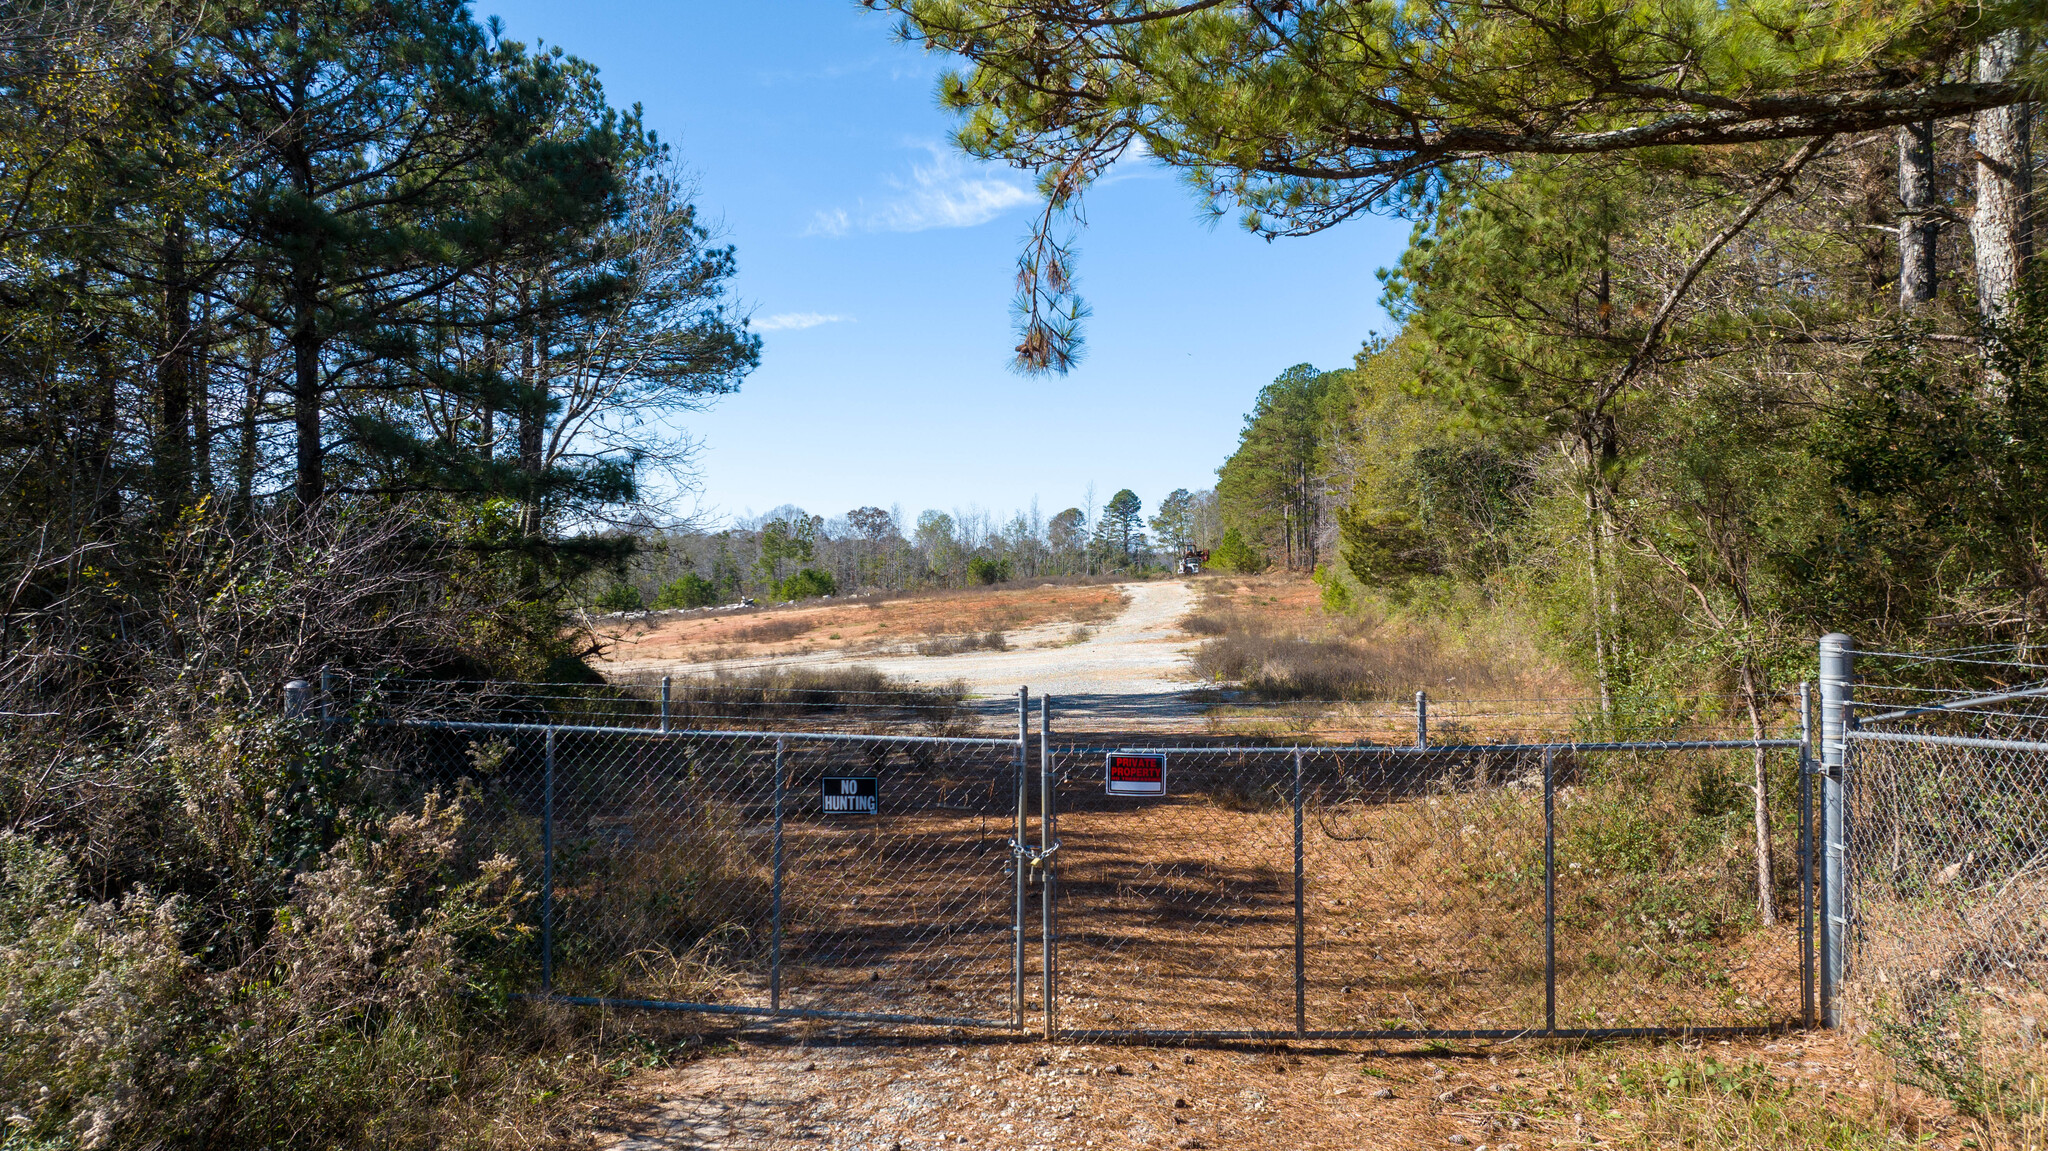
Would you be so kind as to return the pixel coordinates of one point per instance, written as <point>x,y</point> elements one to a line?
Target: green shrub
<point>987,570</point>
<point>1336,596</point>
<point>1233,554</point>
<point>619,597</point>
<point>806,584</point>
<point>687,590</point>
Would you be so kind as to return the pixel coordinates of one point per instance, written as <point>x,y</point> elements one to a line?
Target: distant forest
<point>791,553</point>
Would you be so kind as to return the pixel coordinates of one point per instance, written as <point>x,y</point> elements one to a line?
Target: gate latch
<point>1035,855</point>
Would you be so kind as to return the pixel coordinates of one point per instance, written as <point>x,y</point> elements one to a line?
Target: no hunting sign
<point>1135,773</point>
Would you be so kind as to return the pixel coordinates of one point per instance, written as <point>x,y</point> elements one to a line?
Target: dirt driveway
<point>884,1094</point>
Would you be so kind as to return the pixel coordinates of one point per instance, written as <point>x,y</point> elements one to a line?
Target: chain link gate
<point>1271,892</point>
<point>865,878</point>
<point>1290,892</point>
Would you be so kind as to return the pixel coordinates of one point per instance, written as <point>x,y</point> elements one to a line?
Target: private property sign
<point>849,795</point>
<point>1135,773</point>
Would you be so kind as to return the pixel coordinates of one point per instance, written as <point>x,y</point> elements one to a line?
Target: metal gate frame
<point>1045,858</point>
<point>782,739</point>
<point>1038,865</point>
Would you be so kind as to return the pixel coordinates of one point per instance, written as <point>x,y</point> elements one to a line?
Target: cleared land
<point>877,627</point>
<point>1106,653</point>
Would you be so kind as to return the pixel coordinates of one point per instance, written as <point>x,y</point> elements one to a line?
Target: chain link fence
<point>777,848</point>
<point>796,873</point>
<point>1945,824</point>
<point>1452,891</point>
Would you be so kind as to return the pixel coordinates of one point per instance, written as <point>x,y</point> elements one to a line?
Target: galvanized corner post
<point>1549,892</point>
<point>775,889</point>
<point>1023,880</point>
<point>326,695</point>
<point>1049,878</point>
<point>547,867</point>
<point>1300,918</point>
<point>1806,885</point>
<point>1837,677</point>
<point>665,681</point>
<point>1422,720</point>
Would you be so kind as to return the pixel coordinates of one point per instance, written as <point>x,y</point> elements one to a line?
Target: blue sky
<point>877,264</point>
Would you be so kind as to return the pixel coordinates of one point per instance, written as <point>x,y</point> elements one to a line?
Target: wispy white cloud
<point>836,222</point>
<point>944,193</point>
<point>797,321</point>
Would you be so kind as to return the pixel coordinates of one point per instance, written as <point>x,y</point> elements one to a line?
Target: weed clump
<point>962,644</point>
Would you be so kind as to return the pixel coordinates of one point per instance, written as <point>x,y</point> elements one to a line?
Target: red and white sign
<point>1135,773</point>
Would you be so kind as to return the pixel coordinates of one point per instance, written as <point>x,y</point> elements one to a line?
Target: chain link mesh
<point>703,867</point>
<point>657,855</point>
<point>1423,898</point>
<point>1948,843</point>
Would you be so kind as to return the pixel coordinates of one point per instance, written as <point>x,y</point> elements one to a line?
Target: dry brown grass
<point>1270,638</point>
<point>858,624</point>
<point>960,645</point>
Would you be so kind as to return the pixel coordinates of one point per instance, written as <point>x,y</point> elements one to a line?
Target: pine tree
<point>1306,115</point>
<point>1175,523</point>
<point>1121,534</point>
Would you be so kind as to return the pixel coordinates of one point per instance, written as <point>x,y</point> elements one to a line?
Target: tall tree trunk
<point>2004,174</point>
<point>494,367</point>
<point>1597,615</point>
<point>252,406</point>
<point>532,423</point>
<point>1766,885</point>
<point>1917,226</point>
<point>106,485</point>
<point>202,403</point>
<point>311,482</point>
<point>310,459</point>
<point>173,448</point>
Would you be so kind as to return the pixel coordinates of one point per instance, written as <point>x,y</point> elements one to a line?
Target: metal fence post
<point>1549,893</point>
<point>775,898</point>
<point>1422,719</point>
<point>1300,921</point>
<point>1837,675</point>
<point>1023,798</point>
<point>547,868</point>
<point>1806,885</point>
<point>1049,879</point>
<point>664,707</point>
<point>326,695</point>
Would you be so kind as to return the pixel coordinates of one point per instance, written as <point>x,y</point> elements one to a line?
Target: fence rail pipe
<point>1549,893</point>
<point>547,866</point>
<point>1048,890</point>
<point>1300,921</point>
<point>1017,854</point>
<point>1442,749</point>
<point>1837,698</point>
<point>775,897</point>
<point>1806,854</point>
